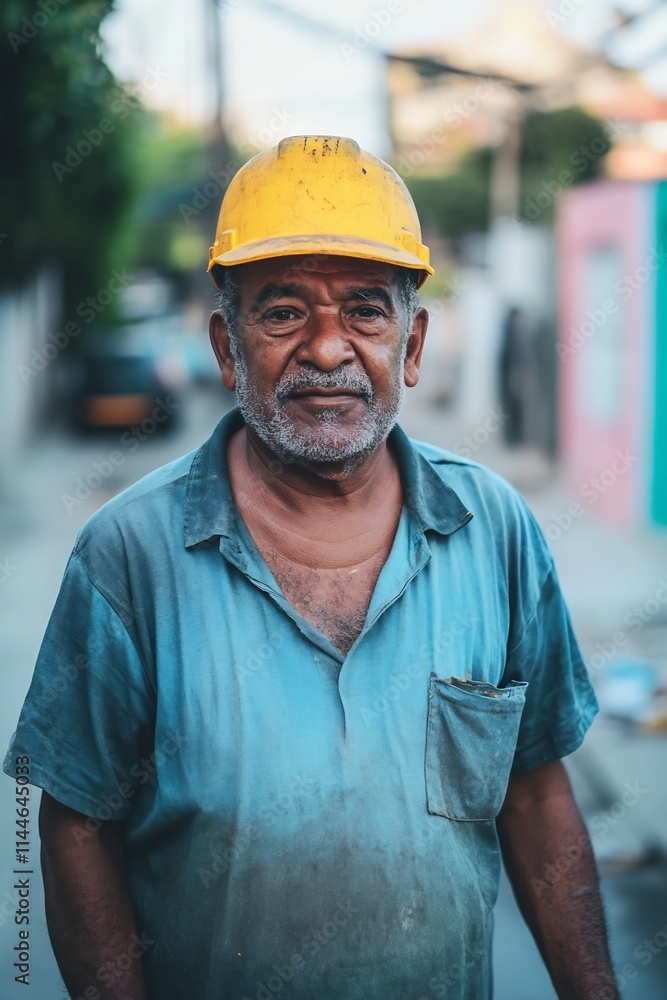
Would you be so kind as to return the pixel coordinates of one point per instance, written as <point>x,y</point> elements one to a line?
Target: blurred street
<point>529,138</point>
<point>629,828</point>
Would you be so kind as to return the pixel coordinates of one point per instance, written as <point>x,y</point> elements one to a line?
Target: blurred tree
<point>558,148</point>
<point>66,168</point>
<point>181,187</point>
<point>458,203</point>
<point>171,208</point>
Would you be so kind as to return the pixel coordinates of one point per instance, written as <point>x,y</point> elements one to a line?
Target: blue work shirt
<point>299,822</point>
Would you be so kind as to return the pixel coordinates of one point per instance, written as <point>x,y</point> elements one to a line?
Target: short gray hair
<point>407,290</point>
<point>229,298</point>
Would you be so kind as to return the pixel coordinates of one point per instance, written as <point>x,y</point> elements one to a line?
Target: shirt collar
<point>210,510</point>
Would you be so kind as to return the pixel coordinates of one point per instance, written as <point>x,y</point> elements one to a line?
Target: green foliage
<point>557,149</point>
<point>182,182</point>
<point>173,163</point>
<point>458,203</point>
<point>60,205</point>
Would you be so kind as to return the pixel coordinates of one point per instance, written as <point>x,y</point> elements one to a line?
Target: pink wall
<point>606,289</point>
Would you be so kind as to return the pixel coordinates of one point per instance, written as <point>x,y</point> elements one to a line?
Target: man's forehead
<point>306,270</point>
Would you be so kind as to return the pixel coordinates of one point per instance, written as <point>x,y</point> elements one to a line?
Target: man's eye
<point>283,315</point>
<point>366,312</point>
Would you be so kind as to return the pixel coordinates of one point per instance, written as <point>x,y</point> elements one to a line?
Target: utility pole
<point>505,191</point>
<point>213,23</point>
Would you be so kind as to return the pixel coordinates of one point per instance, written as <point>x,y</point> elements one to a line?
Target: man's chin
<point>320,447</point>
<point>319,438</point>
<point>313,445</point>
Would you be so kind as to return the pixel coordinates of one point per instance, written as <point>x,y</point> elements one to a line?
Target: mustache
<point>340,378</point>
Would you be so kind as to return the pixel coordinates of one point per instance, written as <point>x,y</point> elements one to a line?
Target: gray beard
<point>328,442</point>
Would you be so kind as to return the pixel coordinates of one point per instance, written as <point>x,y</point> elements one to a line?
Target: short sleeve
<point>88,718</point>
<point>560,702</point>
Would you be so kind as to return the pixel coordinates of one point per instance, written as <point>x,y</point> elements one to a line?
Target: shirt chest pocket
<point>471,735</point>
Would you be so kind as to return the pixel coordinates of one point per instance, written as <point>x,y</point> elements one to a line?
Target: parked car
<point>118,381</point>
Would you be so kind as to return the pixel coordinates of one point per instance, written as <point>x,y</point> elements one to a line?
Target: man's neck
<point>302,489</point>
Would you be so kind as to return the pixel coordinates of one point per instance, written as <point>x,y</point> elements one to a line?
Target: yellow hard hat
<point>317,194</point>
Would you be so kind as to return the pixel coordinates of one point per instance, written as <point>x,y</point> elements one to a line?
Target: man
<point>324,670</point>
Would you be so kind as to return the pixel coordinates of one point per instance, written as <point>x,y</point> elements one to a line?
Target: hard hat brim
<point>325,245</point>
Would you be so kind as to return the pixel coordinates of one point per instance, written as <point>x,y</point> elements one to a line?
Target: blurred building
<point>612,349</point>
<point>476,91</point>
<point>28,347</point>
<point>518,61</point>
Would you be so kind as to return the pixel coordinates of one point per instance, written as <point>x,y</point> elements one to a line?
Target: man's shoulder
<point>441,456</point>
<point>502,516</point>
<point>463,473</point>
<point>153,503</point>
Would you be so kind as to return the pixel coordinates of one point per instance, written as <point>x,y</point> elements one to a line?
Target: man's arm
<point>88,909</point>
<point>549,860</point>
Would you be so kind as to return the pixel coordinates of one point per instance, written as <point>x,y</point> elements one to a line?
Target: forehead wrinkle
<point>368,294</point>
<point>277,291</point>
<point>274,291</point>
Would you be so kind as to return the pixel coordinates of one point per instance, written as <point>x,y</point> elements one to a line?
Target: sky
<point>281,78</point>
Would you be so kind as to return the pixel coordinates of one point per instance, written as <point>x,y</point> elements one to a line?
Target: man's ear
<point>217,329</point>
<point>413,355</point>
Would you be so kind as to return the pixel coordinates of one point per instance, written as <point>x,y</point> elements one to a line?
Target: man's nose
<point>326,343</point>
